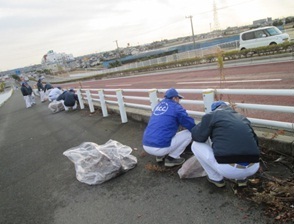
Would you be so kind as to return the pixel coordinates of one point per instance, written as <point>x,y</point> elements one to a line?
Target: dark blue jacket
<point>26,90</point>
<point>47,86</point>
<point>40,85</point>
<point>164,123</point>
<point>233,139</point>
<point>69,98</point>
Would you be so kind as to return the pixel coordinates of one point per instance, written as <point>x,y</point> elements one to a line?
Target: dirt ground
<point>272,187</point>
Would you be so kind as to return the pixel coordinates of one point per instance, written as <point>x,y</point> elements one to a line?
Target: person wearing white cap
<point>161,137</point>
<point>234,153</point>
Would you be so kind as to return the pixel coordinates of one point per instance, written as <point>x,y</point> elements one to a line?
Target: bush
<point>2,87</point>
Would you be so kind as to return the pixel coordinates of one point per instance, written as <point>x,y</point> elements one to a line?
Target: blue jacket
<point>69,98</point>
<point>40,85</point>
<point>164,123</point>
<point>26,90</point>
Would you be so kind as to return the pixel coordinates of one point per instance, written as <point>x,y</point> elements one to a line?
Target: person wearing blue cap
<point>234,152</point>
<point>69,99</point>
<point>161,137</point>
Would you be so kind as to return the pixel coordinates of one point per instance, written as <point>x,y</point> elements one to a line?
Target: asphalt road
<point>266,73</point>
<point>38,183</point>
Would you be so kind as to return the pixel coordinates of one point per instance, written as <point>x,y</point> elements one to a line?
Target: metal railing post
<point>103,103</point>
<point>208,99</point>
<point>121,104</point>
<point>153,98</point>
<point>90,102</point>
<point>80,97</point>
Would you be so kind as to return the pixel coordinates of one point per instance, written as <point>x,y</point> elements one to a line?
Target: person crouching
<point>234,153</point>
<point>69,99</point>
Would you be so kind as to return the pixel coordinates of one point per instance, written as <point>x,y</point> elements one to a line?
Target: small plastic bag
<point>191,169</point>
<point>95,164</point>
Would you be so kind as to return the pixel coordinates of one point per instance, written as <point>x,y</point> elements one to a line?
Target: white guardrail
<point>147,99</point>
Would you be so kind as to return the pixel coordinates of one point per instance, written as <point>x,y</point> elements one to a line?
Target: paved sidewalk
<point>38,183</point>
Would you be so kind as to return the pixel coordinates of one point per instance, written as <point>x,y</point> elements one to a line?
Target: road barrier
<point>147,99</point>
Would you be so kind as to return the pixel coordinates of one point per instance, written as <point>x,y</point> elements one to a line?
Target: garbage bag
<point>56,106</point>
<point>191,169</point>
<point>95,164</point>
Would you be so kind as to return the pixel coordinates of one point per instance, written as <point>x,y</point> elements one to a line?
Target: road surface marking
<point>235,81</point>
<point>119,85</point>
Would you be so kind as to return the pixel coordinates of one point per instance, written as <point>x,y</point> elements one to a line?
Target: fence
<point>147,99</point>
<point>197,53</point>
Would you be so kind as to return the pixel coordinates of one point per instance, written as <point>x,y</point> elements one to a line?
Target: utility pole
<point>117,47</point>
<point>190,17</point>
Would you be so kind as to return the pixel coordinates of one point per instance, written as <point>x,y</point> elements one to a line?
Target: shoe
<point>220,183</point>
<point>170,162</point>
<point>159,159</point>
<point>240,183</point>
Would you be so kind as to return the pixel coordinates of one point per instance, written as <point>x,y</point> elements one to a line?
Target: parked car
<point>263,36</point>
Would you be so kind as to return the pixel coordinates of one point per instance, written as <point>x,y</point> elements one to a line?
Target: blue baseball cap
<point>216,104</point>
<point>170,93</point>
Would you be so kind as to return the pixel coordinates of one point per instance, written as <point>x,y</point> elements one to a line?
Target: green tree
<point>16,77</point>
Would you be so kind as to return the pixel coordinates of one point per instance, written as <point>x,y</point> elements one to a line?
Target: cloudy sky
<point>30,28</point>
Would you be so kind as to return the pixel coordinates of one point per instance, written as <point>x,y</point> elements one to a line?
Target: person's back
<point>164,123</point>
<point>47,86</point>
<point>234,153</point>
<point>54,93</point>
<point>233,139</point>
<point>61,96</point>
<point>162,137</point>
<point>70,99</point>
<point>40,85</point>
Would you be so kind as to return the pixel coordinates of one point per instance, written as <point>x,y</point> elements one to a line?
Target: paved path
<point>38,184</point>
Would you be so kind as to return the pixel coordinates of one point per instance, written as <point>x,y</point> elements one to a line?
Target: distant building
<point>57,61</point>
<point>263,22</point>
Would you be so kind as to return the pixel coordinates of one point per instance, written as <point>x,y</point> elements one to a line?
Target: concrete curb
<point>5,96</point>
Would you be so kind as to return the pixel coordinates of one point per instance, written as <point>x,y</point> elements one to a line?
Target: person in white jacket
<point>54,93</point>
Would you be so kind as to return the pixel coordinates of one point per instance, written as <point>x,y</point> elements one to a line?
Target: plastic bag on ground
<point>95,164</point>
<point>56,106</point>
<point>191,169</point>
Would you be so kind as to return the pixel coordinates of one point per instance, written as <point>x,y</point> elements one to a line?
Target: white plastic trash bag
<point>191,169</point>
<point>56,106</point>
<point>95,164</point>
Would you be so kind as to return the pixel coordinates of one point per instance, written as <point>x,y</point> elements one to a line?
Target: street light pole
<point>190,17</point>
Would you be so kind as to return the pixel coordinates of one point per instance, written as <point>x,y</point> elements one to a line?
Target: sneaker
<point>159,159</point>
<point>220,183</point>
<point>240,183</point>
<point>170,162</point>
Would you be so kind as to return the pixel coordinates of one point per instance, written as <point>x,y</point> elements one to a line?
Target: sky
<point>30,28</point>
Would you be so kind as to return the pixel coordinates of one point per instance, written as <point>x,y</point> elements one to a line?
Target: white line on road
<point>234,81</point>
<point>119,85</point>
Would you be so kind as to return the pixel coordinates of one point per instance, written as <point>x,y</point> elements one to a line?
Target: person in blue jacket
<point>162,137</point>
<point>69,99</point>
<point>27,92</point>
<point>234,152</point>
<point>41,89</point>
